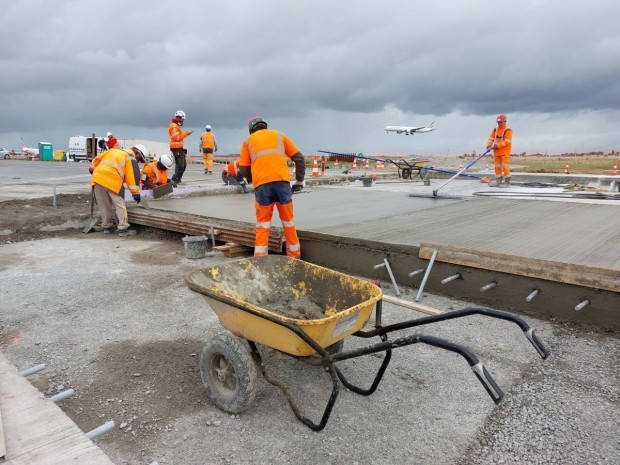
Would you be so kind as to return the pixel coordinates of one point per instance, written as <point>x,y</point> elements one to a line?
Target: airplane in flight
<point>29,151</point>
<point>409,130</point>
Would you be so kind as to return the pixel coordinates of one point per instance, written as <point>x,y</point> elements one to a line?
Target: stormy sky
<point>330,74</point>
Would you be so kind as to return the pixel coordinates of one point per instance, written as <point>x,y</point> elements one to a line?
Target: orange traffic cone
<point>367,165</point>
<point>336,163</point>
<point>315,168</point>
<point>354,163</point>
<point>615,171</point>
<point>486,166</point>
<point>567,168</point>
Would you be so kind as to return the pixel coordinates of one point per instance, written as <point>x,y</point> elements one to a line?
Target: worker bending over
<point>231,175</point>
<point>111,170</point>
<point>156,173</point>
<point>263,162</point>
<point>500,141</point>
<point>208,146</point>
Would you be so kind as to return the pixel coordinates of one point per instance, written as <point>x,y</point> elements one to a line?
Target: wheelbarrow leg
<point>329,367</point>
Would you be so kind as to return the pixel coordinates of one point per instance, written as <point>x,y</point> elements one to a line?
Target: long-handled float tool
<point>470,164</point>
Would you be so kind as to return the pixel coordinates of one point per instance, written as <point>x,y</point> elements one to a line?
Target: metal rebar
<point>413,273</point>
<point>488,286</point>
<point>380,265</point>
<point>454,277</point>
<point>212,232</point>
<point>533,294</point>
<point>387,265</point>
<point>62,395</point>
<point>33,370</point>
<point>428,272</point>
<point>582,305</point>
<point>99,430</point>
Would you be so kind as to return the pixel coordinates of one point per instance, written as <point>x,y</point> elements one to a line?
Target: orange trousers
<point>502,165</point>
<point>263,226</point>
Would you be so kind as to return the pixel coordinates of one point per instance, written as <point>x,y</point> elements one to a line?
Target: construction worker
<point>232,176</point>
<point>208,146</point>
<point>156,173</point>
<point>177,135</point>
<point>500,141</point>
<point>111,170</point>
<point>263,162</point>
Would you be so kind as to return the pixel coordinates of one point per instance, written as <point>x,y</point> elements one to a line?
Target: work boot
<point>506,182</point>
<point>206,171</point>
<point>107,230</point>
<point>496,183</point>
<point>127,232</point>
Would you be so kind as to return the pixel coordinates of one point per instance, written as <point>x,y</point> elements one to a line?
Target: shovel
<point>93,218</point>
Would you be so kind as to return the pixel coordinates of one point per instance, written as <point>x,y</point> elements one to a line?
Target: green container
<point>46,151</point>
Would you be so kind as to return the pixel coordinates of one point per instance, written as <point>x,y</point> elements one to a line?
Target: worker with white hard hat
<point>208,146</point>
<point>177,136</point>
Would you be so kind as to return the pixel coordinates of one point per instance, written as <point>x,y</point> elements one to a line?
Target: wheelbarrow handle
<point>488,382</point>
<point>539,345</point>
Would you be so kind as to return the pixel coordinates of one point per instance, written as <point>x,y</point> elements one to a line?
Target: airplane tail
<point>431,124</point>
<point>23,143</point>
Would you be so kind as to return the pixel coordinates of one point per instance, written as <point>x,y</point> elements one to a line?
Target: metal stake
<point>428,272</point>
<point>211,231</point>
<point>33,370</point>
<point>54,197</point>
<point>534,293</point>
<point>488,286</point>
<point>99,430</point>
<point>582,305</point>
<point>413,273</point>
<point>454,277</point>
<point>387,265</point>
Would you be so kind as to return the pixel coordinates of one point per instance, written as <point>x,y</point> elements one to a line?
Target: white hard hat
<point>166,160</point>
<point>208,127</point>
<point>180,113</point>
<point>143,150</point>
<point>108,134</point>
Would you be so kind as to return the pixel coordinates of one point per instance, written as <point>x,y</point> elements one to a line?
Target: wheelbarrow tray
<point>253,296</point>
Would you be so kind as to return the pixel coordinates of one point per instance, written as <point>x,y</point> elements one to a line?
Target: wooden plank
<point>412,305</point>
<point>237,251</point>
<point>580,275</point>
<point>37,430</point>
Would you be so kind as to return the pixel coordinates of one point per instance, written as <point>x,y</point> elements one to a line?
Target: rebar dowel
<point>454,277</point>
<point>488,286</point>
<point>99,430</point>
<point>212,232</point>
<point>33,370</point>
<point>582,305</point>
<point>62,395</point>
<point>54,197</point>
<point>413,273</point>
<point>428,272</point>
<point>387,265</point>
<point>534,293</point>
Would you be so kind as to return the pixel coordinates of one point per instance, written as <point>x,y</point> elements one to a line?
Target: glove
<point>297,187</point>
<point>174,184</point>
<point>136,197</point>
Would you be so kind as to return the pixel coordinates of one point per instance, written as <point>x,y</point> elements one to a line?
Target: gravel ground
<point>113,319</point>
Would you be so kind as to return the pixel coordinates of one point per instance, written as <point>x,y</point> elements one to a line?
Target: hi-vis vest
<point>157,176</point>
<point>176,136</point>
<point>208,140</point>
<point>267,152</point>
<point>113,168</point>
<point>503,138</point>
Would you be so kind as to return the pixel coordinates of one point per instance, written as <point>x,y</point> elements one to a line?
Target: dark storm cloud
<point>74,63</point>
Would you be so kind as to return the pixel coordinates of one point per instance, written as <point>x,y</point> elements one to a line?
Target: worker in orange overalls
<point>177,136</point>
<point>500,141</point>
<point>208,146</point>
<point>156,173</point>
<point>231,175</point>
<point>111,170</point>
<point>263,162</point>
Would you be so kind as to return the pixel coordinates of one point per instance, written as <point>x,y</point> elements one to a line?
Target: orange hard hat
<point>501,118</point>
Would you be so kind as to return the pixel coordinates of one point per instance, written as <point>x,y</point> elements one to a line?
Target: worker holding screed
<point>500,141</point>
<point>156,173</point>
<point>232,176</point>
<point>263,162</point>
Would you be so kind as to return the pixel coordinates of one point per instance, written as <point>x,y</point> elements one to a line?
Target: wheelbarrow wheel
<point>406,173</point>
<point>228,373</point>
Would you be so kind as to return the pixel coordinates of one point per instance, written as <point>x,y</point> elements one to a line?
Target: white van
<point>78,148</point>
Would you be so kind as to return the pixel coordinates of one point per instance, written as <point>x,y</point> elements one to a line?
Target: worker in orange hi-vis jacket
<point>208,146</point>
<point>231,175</point>
<point>111,170</point>
<point>156,173</point>
<point>263,162</point>
<point>177,136</point>
<point>500,141</point>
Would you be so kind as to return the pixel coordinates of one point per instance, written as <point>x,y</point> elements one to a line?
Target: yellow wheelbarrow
<point>306,311</point>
